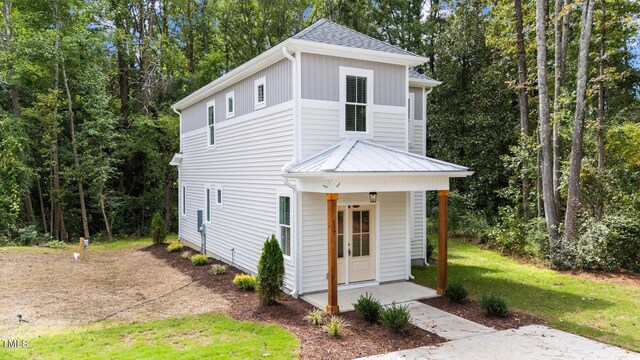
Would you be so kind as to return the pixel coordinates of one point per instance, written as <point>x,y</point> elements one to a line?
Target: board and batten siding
<point>320,79</point>
<point>418,221</point>
<point>278,89</point>
<point>391,238</point>
<point>247,163</point>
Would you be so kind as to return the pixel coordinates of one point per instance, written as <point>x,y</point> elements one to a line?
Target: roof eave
<point>356,53</point>
<point>464,173</point>
<point>424,82</point>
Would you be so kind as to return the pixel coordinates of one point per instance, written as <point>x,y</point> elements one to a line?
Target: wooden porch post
<point>443,198</point>
<point>332,248</point>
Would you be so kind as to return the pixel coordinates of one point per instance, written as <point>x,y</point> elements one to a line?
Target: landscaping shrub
<point>270,271</point>
<point>56,244</point>
<point>245,282</point>
<point>186,254</point>
<point>430,247</point>
<point>175,246</point>
<point>217,269</point>
<point>199,260</point>
<point>368,307</point>
<point>395,317</point>
<point>455,292</point>
<point>493,305</point>
<point>158,230</point>
<point>609,244</point>
<point>316,317</point>
<point>335,326</point>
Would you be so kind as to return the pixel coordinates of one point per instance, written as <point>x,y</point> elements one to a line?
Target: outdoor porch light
<point>373,196</point>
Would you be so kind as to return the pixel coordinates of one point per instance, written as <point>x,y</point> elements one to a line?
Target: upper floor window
<point>230,104</point>
<point>211,123</point>
<point>356,97</point>
<point>410,116</point>
<point>260,95</point>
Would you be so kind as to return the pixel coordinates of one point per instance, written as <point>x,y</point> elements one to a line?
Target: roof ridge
<point>339,154</point>
<point>309,28</point>
<point>371,37</point>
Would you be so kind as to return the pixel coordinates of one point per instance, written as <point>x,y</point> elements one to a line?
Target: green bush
<point>430,247</point>
<point>395,317</point>
<point>199,260</point>
<point>335,326</point>
<point>29,235</point>
<point>186,255</point>
<point>270,271</point>
<point>609,244</point>
<point>493,305</point>
<point>245,282</point>
<point>316,317</point>
<point>368,307</point>
<point>56,244</point>
<point>456,293</point>
<point>217,269</point>
<point>175,246</point>
<point>158,230</point>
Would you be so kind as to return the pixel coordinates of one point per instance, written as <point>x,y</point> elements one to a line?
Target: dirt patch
<point>360,338</point>
<point>471,310</point>
<point>622,277</point>
<point>53,292</point>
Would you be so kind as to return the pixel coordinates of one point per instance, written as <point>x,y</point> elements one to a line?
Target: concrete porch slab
<point>387,293</point>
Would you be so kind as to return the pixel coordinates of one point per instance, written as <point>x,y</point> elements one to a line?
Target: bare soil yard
<point>53,292</point>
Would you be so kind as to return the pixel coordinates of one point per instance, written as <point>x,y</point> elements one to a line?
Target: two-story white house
<point>320,140</point>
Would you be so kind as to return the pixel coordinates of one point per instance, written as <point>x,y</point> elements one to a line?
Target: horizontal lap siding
<point>417,147</point>
<point>247,162</point>
<point>393,234</point>
<point>418,225</point>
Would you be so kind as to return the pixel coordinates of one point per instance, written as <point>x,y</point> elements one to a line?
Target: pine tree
<point>270,271</point>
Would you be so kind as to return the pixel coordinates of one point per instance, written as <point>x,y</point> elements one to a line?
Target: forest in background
<point>540,98</point>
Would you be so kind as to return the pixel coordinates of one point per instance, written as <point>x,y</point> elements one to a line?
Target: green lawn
<point>208,336</point>
<point>603,311</point>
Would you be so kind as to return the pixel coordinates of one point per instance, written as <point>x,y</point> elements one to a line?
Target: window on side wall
<point>183,197</point>
<point>207,204</point>
<point>211,123</point>
<point>410,116</point>
<point>356,97</point>
<point>260,93</point>
<point>284,224</point>
<point>218,194</point>
<point>230,104</point>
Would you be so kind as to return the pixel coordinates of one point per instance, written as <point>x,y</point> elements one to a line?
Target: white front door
<point>356,243</point>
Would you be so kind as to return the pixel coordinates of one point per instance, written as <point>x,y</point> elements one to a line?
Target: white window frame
<point>230,95</point>
<point>183,200</point>
<point>343,73</point>
<point>286,193</point>
<point>218,198</point>
<point>212,104</point>
<point>207,211</point>
<point>411,116</point>
<point>260,104</point>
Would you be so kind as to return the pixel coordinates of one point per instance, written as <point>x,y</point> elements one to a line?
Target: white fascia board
<point>357,184</point>
<point>355,53</point>
<point>424,82</point>
<point>372,174</point>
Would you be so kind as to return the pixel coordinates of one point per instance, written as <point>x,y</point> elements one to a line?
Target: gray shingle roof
<point>328,32</point>
<point>414,74</point>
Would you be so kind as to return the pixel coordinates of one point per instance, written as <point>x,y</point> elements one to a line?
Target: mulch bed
<point>471,310</point>
<point>360,338</point>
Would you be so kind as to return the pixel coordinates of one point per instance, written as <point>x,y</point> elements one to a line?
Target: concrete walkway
<point>469,340</point>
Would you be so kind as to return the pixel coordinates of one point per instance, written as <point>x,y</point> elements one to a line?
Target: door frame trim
<point>376,278</point>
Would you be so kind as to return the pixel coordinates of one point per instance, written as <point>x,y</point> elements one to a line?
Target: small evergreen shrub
<point>456,293</point>
<point>494,305</point>
<point>270,271</point>
<point>186,254</point>
<point>199,260</point>
<point>335,326</point>
<point>158,230</point>
<point>29,235</point>
<point>175,246</point>
<point>218,269</point>
<point>245,282</point>
<point>395,317</point>
<point>316,317</point>
<point>430,247</point>
<point>368,307</point>
<point>56,244</point>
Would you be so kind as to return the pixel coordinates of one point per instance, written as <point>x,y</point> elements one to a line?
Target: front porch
<point>398,292</point>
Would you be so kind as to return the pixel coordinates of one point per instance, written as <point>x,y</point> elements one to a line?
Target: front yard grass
<point>599,310</point>
<point>207,336</point>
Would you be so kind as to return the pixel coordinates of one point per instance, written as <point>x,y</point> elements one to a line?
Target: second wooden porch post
<point>332,254</point>
<point>443,199</point>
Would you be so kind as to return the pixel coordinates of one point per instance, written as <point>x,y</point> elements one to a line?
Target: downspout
<point>294,82</point>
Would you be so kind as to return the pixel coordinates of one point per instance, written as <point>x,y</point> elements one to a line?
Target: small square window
<point>260,93</point>
<point>230,104</point>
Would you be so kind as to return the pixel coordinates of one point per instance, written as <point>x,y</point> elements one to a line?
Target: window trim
<point>368,74</point>
<point>211,104</point>
<point>411,116</point>
<point>230,95</point>
<point>260,104</point>
<point>292,220</point>
<point>183,200</point>
<point>207,198</point>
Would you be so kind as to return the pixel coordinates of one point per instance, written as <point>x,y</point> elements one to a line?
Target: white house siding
<point>278,89</point>
<point>247,162</point>
<point>416,146</point>
<point>391,237</point>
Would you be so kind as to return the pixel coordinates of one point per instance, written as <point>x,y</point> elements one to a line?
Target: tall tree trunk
<point>28,208</point>
<point>57,221</point>
<point>557,88</point>
<point>205,27</point>
<point>123,80</point>
<point>601,124</point>
<point>573,194</point>
<point>107,226</point>
<point>74,151</point>
<point>42,209</point>
<point>550,212</point>
<point>522,97</point>
<point>190,38</point>
<point>6,39</point>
